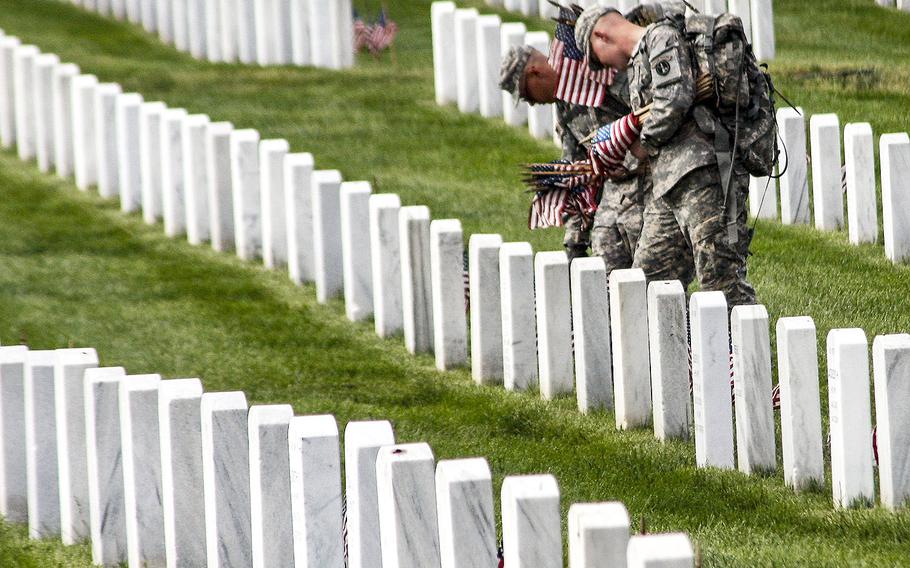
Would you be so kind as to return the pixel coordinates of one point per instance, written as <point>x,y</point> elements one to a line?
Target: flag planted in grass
<point>374,37</point>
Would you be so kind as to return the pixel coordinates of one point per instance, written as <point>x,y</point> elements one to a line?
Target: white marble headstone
<point>322,33</point>
<point>894,152</point>
<point>591,330</point>
<point>315,462</point>
<point>150,130</point>
<point>356,249</point>
<point>245,187</point>
<point>755,438</point>
<point>416,290</point>
<point>629,340</point>
<point>8,46</point>
<point>673,550</point>
<point>107,143</point>
<point>180,23</point>
<point>173,202</point>
<point>300,32</point>
<point>226,479</point>
<point>45,64</point>
<point>531,527</point>
<point>450,333</point>
<point>467,92</point>
<point>850,417</point>
<point>270,486</point>
<point>800,409</point>
<point>763,43</point>
<point>519,338</point>
<point>385,260</point>
<point>85,162</point>
<point>43,489</point>
<point>195,179</point>
<point>826,172</point>
<point>486,308</point>
<point>763,197</point>
<point>245,21</point>
<point>467,522</point>
<point>406,487</point>
<point>128,151</point>
<point>229,29</point>
<point>667,325</point>
<point>148,15</point>
<point>598,534</point>
<point>13,482</point>
<point>554,323</point>
<point>891,363</point>
<point>794,181</point>
<point>859,161</point>
<point>362,441</point>
<point>164,24</point>
<point>488,58</point>
<point>218,178</point>
<point>298,176</point>
<point>196,27</point>
<point>24,77</point>
<point>213,27</point>
<point>271,193</point>
<point>325,197</point>
<point>514,112</point>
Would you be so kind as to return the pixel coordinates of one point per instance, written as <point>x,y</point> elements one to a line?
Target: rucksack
<point>744,90</point>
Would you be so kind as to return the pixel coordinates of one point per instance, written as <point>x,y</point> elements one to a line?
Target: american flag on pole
<point>374,37</point>
<point>563,195</point>
<point>578,84</point>
<point>612,141</point>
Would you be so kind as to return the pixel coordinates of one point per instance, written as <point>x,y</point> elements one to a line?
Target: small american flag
<point>612,141</point>
<point>558,197</point>
<point>361,33</point>
<point>578,84</point>
<point>374,37</point>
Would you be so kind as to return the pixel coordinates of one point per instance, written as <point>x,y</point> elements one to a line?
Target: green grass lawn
<point>73,269</point>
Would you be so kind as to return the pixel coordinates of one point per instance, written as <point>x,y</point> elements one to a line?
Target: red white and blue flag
<point>564,196</point>
<point>578,84</point>
<point>612,141</point>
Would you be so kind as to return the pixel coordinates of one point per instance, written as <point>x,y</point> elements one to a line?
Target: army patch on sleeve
<point>665,68</point>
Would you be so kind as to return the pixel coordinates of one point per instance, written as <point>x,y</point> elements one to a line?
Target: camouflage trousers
<point>685,230</point>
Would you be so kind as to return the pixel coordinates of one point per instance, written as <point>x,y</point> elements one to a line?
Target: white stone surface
<point>245,21</point>
<point>218,177</point>
<point>315,461</point>
<point>128,151</point>
<point>763,197</point>
<point>180,24</point>
<point>442,15</point>
<point>450,332</point>
<point>826,172</point>
<point>298,175</point>
<point>894,152</point>
<point>270,486</point>
<point>794,181</point>
<point>546,10</point>
<point>528,7</point>
<point>385,260</point>
<point>133,11</point>
<point>72,473</point>
<point>322,33</point>
<point>226,479</point>
<point>362,441</point>
<point>667,325</point>
<point>151,122</point>
<point>514,112</point>
<point>343,23</point>
<point>8,46</point>
<point>629,341</point>
<point>106,140</point>
<point>24,80</point>
<point>142,470</point>
<point>195,179</point>
<point>42,98</point>
<point>213,28</point>
<point>467,522</point>
<point>183,501</point>
<point>13,478</point>
<point>800,409</point>
<point>859,161</point>
<point>406,486</point>
<point>245,188</point>
<point>173,198</point>
<point>755,438</point>
<point>850,417</point>
<point>711,380</point>
<point>531,528</point>
<point>416,289</point>
<point>148,15</point>
<point>196,28</point>
<point>742,8</point>
<point>325,197</point>
<point>105,464</point>
<point>300,32</point>
<point>554,323</point>
<point>540,117</point>
<point>519,338</point>
<point>266,24</point>
<point>763,43</point>
<point>271,194</point>
<point>486,308</point>
<point>356,252</point>
<point>891,363</point>
<point>591,330</point>
<point>230,10</point>
<point>466,80</point>
<point>673,550</point>
<point>85,162</point>
<point>42,485</point>
<point>598,535</point>
<point>164,23</point>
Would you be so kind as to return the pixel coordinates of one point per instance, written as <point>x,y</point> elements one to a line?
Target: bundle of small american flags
<point>561,189</point>
<point>578,84</point>
<point>374,37</point>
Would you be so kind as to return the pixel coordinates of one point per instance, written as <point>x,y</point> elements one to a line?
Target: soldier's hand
<point>618,173</point>
<point>576,252</point>
<point>638,151</point>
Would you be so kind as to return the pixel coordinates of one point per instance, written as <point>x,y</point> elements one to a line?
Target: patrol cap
<point>512,68</point>
<point>584,27</point>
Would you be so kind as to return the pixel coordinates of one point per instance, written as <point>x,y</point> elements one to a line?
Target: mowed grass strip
<point>74,269</point>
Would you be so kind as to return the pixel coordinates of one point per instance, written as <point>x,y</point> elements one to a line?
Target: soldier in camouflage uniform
<point>687,190</point>
<point>617,223</point>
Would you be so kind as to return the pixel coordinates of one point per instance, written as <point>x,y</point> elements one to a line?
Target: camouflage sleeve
<point>572,149</point>
<point>577,239</point>
<point>672,85</point>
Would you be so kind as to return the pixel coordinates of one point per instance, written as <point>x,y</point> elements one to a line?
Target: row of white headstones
<point>157,471</point>
<point>899,4</point>
<point>265,32</point>
<point>467,49</point>
<point>757,15</point>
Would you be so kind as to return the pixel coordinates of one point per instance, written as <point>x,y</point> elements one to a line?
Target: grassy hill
<point>72,268</point>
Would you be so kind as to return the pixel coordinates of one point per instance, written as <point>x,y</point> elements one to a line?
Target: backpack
<point>744,90</point>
